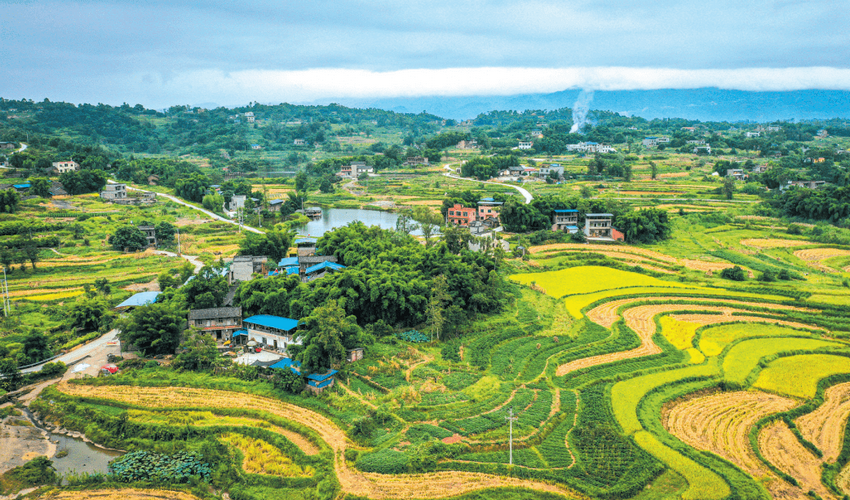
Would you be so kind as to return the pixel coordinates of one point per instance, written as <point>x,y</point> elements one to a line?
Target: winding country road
<point>187,204</point>
<point>524,192</point>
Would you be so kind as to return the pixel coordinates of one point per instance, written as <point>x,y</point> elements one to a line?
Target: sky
<point>163,53</point>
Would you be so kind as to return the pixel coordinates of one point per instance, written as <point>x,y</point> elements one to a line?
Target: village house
<point>460,215</point>
<point>316,382</point>
<point>256,147</point>
<point>237,201</point>
<point>112,192</point>
<point>413,161</point>
<point>275,205</point>
<point>355,169</point>
<point>547,170</point>
<point>488,208</point>
<point>57,190</point>
<point>138,300</point>
<point>309,261</point>
<point>565,220</point>
<point>305,247</point>
<point>271,331</point>
<point>7,145</point>
<point>590,147</point>
<point>300,142</point>
<point>525,145</point>
<point>244,267</point>
<point>321,269</point>
<point>804,184</point>
<point>736,173</point>
<point>60,167</point>
<point>289,265</point>
<point>750,135</point>
<point>249,116</point>
<point>150,234</point>
<point>598,227</point>
<point>473,144</point>
<point>220,322</point>
<point>702,149</point>
<point>759,169</point>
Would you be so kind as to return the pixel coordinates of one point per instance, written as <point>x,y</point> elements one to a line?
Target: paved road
<point>193,259</point>
<point>185,204</point>
<point>96,349</point>
<point>524,192</point>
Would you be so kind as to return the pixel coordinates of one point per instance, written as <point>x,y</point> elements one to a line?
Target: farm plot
<point>798,376</point>
<point>825,426</point>
<point>781,448</point>
<point>679,333</point>
<point>814,256</point>
<point>261,457</point>
<point>208,418</point>
<point>373,485</point>
<point>589,279</point>
<point>744,356</point>
<point>118,494</point>
<point>713,340</point>
<point>774,243</point>
<point>721,423</point>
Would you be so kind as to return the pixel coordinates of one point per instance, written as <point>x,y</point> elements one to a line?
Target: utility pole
<point>178,241</point>
<point>510,418</point>
<point>7,306</point>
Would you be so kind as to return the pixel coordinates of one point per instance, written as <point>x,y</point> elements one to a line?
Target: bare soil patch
<point>825,426</point>
<point>779,446</point>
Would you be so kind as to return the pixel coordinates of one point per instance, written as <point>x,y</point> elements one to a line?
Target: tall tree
<point>439,296</point>
<point>128,237</point>
<point>153,328</point>
<point>428,220</point>
<point>328,332</point>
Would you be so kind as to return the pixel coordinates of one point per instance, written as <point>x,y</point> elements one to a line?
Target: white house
<point>60,167</point>
<point>525,145</point>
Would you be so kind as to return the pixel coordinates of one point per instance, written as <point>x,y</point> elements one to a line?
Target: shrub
<point>733,273</point>
<point>158,468</point>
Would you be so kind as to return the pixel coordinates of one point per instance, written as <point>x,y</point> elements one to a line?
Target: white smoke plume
<point>580,109</point>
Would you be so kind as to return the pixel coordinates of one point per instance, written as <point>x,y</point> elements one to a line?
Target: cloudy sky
<point>160,53</point>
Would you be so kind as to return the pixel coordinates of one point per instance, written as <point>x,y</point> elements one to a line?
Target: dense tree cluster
<point>830,203</point>
<point>84,181</point>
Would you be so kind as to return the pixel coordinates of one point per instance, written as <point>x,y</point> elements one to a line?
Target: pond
<point>338,217</point>
<point>81,456</point>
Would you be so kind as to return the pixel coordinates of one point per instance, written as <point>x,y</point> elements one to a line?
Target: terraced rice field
<point>798,376</point>
<point>373,485</point>
<point>774,243</point>
<point>118,494</point>
<point>781,448</point>
<point>721,423</point>
<point>815,256</point>
<point>825,426</point>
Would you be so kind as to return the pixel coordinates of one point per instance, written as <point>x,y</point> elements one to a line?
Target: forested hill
<point>188,130</point>
<point>706,104</point>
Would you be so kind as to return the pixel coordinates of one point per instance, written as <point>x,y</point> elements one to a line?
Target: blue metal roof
<point>573,227</point>
<point>321,376</point>
<point>21,186</point>
<point>285,363</point>
<point>292,270</point>
<point>288,261</point>
<point>270,321</point>
<point>140,299</point>
<point>324,265</point>
<point>239,332</point>
<point>568,210</point>
<point>487,199</point>
<point>320,384</point>
<point>275,202</point>
<point>299,241</point>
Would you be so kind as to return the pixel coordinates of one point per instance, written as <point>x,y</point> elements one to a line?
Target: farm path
<point>192,259</point>
<point>119,494</point>
<point>825,426</point>
<point>354,482</point>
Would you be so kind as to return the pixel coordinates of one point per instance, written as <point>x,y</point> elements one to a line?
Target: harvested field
<point>814,256</point>
<point>781,448</point>
<point>653,193</point>
<point>825,426</point>
<point>713,319</point>
<point>631,259</point>
<point>673,174</point>
<point>373,485</point>
<point>773,243</point>
<point>704,266</point>
<point>721,422</point>
<point>606,314</point>
<point>119,494</point>
<point>609,248</point>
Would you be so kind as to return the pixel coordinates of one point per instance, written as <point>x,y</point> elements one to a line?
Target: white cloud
<point>316,84</point>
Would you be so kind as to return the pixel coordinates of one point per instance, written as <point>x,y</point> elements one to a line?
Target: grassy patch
<point>798,376</point>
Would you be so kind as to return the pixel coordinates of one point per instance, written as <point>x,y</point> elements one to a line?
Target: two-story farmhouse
<point>565,220</point>
<point>460,215</point>
<point>112,192</point>
<point>221,322</point>
<point>60,167</point>
<point>271,331</point>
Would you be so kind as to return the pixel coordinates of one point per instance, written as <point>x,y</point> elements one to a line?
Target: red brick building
<point>460,215</point>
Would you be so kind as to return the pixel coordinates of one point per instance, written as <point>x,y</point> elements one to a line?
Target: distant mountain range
<point>705,104</point>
